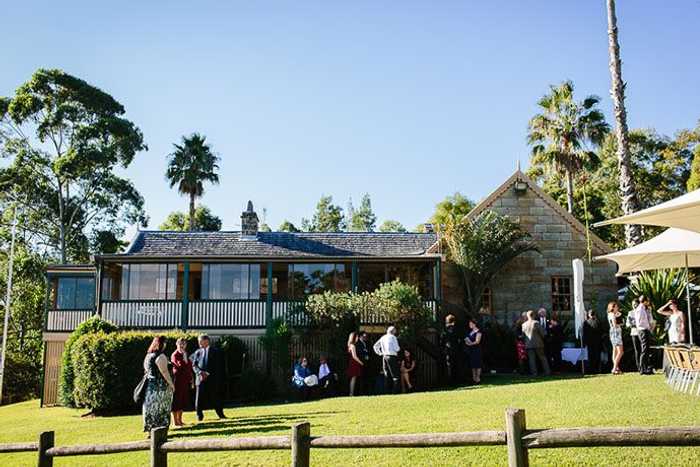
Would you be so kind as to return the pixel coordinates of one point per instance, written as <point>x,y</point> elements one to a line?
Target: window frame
<point>556,296</point>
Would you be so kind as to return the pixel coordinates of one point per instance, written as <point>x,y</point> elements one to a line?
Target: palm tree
<point>561,135</point>
<point>628,190</point>
<point>190,165</point>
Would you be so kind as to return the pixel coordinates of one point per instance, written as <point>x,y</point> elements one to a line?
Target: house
<point>238,282</point>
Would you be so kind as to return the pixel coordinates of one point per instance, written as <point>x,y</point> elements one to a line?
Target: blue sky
<point>408,101</point>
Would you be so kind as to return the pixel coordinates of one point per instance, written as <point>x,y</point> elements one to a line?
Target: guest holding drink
<point>182,375</point>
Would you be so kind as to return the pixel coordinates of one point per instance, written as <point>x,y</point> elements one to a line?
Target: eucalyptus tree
<point>206,220</point>
<point>563,133</point>
<point>628,191</point>
<point>392,226</point>
<point>327,218</point>
<point>64,138</point>
<point>362,219</point>
<point>190,165</point>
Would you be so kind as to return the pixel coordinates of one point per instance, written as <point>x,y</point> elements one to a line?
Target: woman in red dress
<point>354,363</point>
<point>182,372</point>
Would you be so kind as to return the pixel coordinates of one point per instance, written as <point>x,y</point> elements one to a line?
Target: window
<point>149,282</point>
<point>486,301</point>
<point>315,278</point>
<point>230,281</point>
<point>561,293</point>
<point>75,293</point>
<point>372,275</point>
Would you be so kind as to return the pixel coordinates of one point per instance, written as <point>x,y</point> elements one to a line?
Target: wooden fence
<point>516,437</point>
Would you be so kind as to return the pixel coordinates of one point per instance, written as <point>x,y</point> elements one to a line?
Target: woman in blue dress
<point>473,341</point>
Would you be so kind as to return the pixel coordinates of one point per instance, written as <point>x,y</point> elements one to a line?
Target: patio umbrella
<point>682,212</point>
<point>674,248</point>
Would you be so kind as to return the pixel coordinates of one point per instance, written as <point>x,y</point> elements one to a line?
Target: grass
<point>591,401</point>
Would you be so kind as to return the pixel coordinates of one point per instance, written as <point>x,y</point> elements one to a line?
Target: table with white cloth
<point>575,354</point>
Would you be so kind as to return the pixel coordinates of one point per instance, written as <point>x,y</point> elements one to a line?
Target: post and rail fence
<point>516,437</point>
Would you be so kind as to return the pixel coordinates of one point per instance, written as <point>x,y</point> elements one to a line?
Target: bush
<point>234,350</point>
<point>254,385</point>
<point>276,342</point>
<point>22,378</point>
<point>107,367</point>
<point>65,384</point>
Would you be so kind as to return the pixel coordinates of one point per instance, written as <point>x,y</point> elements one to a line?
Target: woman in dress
<point>302,380</point>
<point>473,341</point>
<point>615,322</point>
<point>408,364</point>
<point>355,364</point>
<point>182,374</point>
<point>676,319</point>
<point>159,387</point>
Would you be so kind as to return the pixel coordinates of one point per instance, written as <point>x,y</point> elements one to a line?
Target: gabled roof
<point>548,200</point>
<point>487,202</point>
<point>165,244</point>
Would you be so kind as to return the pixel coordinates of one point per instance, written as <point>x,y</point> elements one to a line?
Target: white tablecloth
<point>574,355</point>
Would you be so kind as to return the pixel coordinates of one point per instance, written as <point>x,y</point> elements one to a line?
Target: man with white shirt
<point>644,323</point>
<point>326,377</point>
<point>388,348</point>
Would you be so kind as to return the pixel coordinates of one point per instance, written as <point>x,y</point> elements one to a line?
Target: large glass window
<point>230,281</point>
<point>420,274</point>
<point>314,278</point>
<point>149,282</point>
<point>75,293</point>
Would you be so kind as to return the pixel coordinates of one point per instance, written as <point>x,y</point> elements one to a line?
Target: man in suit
<point>210,376</point>
<point>534,343</point>
<point>367,377</point>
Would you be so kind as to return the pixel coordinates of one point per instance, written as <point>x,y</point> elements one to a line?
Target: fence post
<point>46,440</point>
<point>301,444</point>
<point>515,429</point>
<point>158,437</point>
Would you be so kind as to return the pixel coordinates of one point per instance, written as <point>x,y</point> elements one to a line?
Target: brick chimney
<point>249,223</point>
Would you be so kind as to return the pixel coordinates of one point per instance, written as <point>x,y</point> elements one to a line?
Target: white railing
<point>149,314</point>
<point>227,314</point>
<point>66,320</point>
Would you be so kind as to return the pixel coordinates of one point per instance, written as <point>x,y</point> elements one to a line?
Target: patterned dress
<point>159,397</point>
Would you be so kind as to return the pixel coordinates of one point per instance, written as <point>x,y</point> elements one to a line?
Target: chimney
<point>249,223</point>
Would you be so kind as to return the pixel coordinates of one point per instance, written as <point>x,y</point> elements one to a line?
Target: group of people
<point>170,383</point>
<point>461,350</point>
<point>397,368</point>
<point>539,342</point>
<point>640,323</point>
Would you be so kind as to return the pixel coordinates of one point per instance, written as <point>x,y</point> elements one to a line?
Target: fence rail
<point>516,437</point>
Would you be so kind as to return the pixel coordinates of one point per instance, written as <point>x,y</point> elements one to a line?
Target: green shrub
<point>254,385</point>
<point>107,367</point>
<point>65,384</point>
<point>22,378</point>
<point>276,342</point>
<point>234,350</point>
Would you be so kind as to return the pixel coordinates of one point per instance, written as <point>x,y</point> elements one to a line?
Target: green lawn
<point>593,401</point>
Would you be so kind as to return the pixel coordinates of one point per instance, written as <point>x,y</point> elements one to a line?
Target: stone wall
<point>526,283</point>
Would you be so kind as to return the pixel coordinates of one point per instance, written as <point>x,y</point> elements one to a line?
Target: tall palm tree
<point>190,165</point>
<point>561,135</point>
<point>628,190</point>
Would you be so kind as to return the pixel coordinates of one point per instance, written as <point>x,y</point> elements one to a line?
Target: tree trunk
<point>569,191</point>
<point>628,192</point>
<point>61,223</point>
<point>193,227</point>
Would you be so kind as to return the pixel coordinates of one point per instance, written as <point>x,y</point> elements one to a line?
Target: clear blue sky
<point>406,100</point>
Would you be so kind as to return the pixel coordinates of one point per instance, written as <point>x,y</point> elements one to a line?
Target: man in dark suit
<point>210,376</point>
<point>363,354</point>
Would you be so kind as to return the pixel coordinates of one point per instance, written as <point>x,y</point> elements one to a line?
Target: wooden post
<point>46,440</point>
<point>515,429</point>
<point>158,437</point>
<point>301,444</point>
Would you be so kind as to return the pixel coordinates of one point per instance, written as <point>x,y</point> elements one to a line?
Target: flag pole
<point>8,297</point>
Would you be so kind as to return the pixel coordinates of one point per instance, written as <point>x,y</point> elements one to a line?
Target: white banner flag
<point>579,306</point>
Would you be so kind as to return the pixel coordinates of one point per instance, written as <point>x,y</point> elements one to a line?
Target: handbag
<point>140,390</point>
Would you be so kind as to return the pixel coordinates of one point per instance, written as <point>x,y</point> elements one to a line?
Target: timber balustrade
<point>516,437</point>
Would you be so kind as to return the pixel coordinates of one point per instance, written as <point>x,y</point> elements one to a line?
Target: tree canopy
<point>205,220</point>
<point>287,226</point>
<point>64,138</point>
<point>362,219</point>
<point>453,208</point>
<point>392,226</point>
<point>327,218</point>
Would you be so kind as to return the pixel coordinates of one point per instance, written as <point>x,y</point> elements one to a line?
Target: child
<point>522,354</point>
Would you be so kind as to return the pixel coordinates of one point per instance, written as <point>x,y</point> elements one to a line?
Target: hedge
<point>65,383</point>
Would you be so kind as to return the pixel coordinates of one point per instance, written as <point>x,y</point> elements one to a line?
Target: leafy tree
<point>205,220</point>
<point>64,138</point>
<point>561,133</point>
<point>263,225</point>
<point>481,247</point>
<point>693,143</point>
<point>627,183</point>
<point>287,226</point>
<point>363,218</point>
<point>392,226</point>
<point>190,165</point>
<point>453,208</point>
<point>327,218</point>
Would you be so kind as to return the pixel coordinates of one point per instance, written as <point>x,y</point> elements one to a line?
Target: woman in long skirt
<point>159,387</point>
<point>182,374</point>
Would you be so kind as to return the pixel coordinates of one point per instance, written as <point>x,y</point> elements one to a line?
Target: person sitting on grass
<point>303,379</point>
<point>408,365</point>
<point>327,378</point>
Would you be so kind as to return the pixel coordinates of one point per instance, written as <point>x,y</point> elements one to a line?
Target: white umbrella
<point>674,248</point>
<point>682,212</point>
